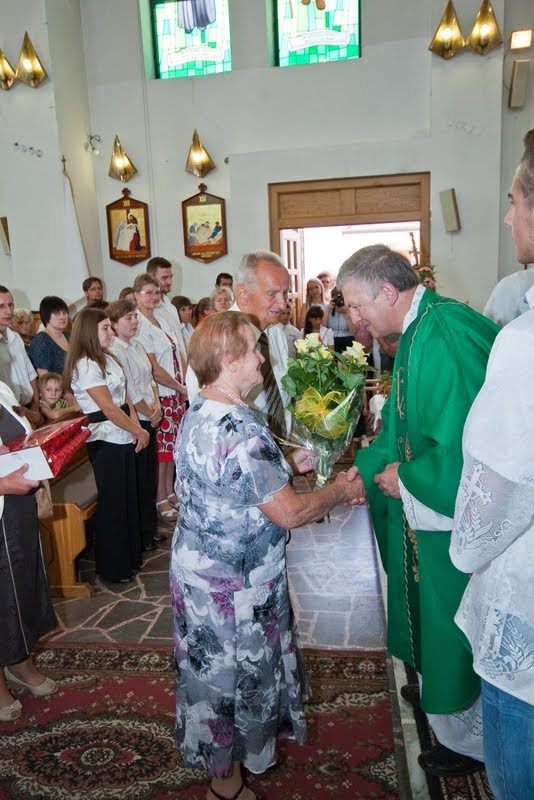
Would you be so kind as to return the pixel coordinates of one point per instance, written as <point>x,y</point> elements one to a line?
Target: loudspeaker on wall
<point>449,210</point>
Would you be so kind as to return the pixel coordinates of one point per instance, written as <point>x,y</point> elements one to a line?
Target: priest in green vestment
<point>412,470</point>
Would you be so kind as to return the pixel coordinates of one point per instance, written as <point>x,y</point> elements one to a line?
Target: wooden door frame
<point>336,202</point>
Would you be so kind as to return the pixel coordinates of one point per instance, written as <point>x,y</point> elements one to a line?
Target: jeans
<point>508,743</point>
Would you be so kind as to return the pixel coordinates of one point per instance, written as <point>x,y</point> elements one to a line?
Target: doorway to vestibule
<point>315,225</point>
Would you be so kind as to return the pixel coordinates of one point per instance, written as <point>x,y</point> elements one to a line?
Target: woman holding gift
<point>239,674</point>
<point>99,386</point>
<point>27,612</point>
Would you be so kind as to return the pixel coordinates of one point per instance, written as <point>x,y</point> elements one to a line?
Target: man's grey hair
<point>375,265</point>
<point>248,267</point>
<point>525,175</point>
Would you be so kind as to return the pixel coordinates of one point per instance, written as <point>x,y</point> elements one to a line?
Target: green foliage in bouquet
<point>324,385</point>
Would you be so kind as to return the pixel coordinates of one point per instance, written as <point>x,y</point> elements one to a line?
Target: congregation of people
<point>189,425</point>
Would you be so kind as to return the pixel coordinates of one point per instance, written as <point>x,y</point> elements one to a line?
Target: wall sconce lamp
<point>29,69</point>
<point>7,73</point>
<point>199,161</point>
<point>485,35</point>
<point>92,143</point>
<point>520,40</point>
<point>121,167</point>
<point>448,38</point>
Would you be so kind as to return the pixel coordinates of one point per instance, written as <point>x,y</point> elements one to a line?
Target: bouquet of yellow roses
<point>326,391</point>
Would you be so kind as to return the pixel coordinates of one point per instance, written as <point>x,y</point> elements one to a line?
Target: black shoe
<point>159,537</point>
<point>410,693</point>
<point>445,763</point>
<point>146,548</point>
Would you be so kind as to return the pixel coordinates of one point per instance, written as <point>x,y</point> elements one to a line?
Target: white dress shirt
<point>140,383</point>
<point>156,341</point>
<point>21,370</point>
<point>88,375</point>
<point>168,317</point>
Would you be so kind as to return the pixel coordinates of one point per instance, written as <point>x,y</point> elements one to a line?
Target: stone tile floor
<point>334,586</point>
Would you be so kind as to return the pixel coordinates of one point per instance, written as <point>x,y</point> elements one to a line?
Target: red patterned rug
<point>108,733</point>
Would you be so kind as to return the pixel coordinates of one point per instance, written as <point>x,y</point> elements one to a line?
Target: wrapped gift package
<point>46,450</point>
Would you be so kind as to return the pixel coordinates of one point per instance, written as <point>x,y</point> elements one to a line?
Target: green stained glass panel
<point>191,37</point>
<point>317,31</point>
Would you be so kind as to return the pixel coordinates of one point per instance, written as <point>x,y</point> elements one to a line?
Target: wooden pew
<point>74,498</point>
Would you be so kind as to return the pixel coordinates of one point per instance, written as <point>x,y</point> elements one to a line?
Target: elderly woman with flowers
<point>239,681</point>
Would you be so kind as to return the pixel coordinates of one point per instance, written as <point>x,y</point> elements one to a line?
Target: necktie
<point>275,409</point>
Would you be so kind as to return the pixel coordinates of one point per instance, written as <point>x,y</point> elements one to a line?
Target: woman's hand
<point>155,417</point>
<point>16,483</point>
<point>302,460</point>
<point>141,439</point>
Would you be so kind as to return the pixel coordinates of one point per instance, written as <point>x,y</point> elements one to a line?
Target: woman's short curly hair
<point>220,336</point>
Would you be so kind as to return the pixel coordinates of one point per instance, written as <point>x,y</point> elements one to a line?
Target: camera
<point>338,299</point>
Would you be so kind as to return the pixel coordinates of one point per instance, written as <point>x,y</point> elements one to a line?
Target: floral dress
<point>239,681</point>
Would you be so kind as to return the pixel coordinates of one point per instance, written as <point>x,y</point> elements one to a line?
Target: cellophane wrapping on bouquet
<point>326,391</point>
<point>58,442</point>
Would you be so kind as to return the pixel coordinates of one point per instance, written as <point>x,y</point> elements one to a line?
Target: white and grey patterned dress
<point>239,681</point>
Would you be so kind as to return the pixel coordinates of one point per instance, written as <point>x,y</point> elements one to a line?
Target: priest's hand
<point>353,476</point>
<point>388,481</point>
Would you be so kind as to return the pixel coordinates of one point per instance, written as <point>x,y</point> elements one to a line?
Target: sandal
<point>233,797</point>
<point>11,712</point>
<point>168,516</point>
<point>47,687</point>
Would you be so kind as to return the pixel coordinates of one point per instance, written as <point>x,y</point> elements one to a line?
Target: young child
<point>52,404</point>
<point>314,324</point>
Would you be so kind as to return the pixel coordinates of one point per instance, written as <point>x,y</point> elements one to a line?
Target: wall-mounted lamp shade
<point>7,73</point>
<point>521,39</point>
<point>29,69</point>
<point>486,35</point>
<point>120,166</point>
<point>199,161</point>
<point>448,38</point>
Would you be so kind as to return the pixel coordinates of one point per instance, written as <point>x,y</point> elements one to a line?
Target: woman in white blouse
<point>162,350</point>
<point>143,394</point>
<point>99,386</point>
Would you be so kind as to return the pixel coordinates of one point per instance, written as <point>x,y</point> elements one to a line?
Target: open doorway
<point>326,221</point>
<point>327,248</point>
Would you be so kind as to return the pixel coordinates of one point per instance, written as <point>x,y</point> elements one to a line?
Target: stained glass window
<point>191,37</point>
<point>315,31</point>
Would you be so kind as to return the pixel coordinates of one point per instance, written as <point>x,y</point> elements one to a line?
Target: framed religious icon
<point>204,221</point>
<point>128,230</point>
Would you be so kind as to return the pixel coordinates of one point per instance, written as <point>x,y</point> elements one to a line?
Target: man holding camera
<point>339,321</point>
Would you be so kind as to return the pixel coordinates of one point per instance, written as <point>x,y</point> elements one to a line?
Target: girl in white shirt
<point>314,324</point>
<point>99,386</point>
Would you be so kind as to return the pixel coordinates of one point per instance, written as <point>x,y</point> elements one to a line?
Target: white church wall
<point>397,109</point>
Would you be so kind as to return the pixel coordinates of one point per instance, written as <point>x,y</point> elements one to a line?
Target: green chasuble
<point>439,368</point>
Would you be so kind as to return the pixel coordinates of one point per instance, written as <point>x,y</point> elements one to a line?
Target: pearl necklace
<point>228,393</point>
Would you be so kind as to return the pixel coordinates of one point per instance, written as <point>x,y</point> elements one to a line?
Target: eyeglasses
<point>150,292</point>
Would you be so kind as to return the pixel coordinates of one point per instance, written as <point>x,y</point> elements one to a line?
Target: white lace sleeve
<point>491,513</point>
<point>421,517</point>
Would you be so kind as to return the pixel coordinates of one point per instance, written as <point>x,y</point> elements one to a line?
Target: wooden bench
<point>74,498</point>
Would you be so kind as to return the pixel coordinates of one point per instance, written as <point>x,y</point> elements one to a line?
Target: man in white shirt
<point>166,314</point>
<point>261,287</point>
<point>509,300</point>
<point>493,532</point>
<point>16,369</point>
